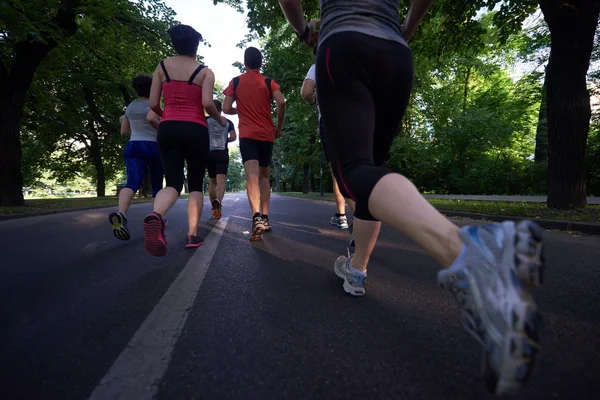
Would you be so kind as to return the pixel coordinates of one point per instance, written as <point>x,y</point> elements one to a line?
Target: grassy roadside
<point>67,203</point>
<point>513,209</point>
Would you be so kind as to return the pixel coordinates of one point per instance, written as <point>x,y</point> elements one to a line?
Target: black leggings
<point>364,87</point>
<point>179,141</point>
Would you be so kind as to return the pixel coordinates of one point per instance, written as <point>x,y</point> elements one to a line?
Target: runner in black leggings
<point>364,75</point>
<point>187,89</point>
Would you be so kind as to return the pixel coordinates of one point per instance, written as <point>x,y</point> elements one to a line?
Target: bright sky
<point>222,27</point>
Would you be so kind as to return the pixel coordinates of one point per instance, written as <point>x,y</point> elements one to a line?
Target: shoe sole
<point>348,288</point>
<point>118,224</point>
<point>346,226</point>
<point>193,245</point>
<point>514,352</point>
<point>257,234</point>
<point>154,242</point>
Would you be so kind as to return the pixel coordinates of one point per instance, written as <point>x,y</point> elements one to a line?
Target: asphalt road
<point>84,316</point>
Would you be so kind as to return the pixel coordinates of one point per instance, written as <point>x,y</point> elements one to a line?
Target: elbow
<point>281,104</point>
<point>227,109</point>
<point>307,97</point>
<point>155,106</point>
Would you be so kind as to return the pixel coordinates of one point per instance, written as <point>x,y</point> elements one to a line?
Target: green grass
<point>67,203</point>
<point>512,209</point>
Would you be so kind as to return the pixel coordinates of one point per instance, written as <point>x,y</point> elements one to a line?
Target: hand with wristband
<point>310,34</point>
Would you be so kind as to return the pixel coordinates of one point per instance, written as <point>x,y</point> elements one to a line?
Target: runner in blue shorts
<point>141,152</point>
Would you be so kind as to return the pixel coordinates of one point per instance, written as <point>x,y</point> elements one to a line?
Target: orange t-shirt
<point>254,106</point>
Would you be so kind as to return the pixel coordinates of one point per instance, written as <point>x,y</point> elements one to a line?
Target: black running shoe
<point>118,220</point>
<point>193,242</point>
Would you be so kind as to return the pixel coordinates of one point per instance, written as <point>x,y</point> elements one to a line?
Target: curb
<point>549,224</point>
<point>587,228</point>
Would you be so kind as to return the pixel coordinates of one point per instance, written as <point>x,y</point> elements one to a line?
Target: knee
<point>263,173</point>
<point>357,183</point>
<point>133,184</point>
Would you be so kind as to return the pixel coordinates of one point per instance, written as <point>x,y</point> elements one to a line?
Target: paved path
<point>85,316</point>
<point>529,199</point>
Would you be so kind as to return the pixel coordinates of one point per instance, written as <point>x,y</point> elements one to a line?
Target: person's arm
<point>228,107</point>
<point>208,87</point>
<point>280,112</point>
<point>125,127</point>
<point>156,91</point>
<point>417,11</point>
<point>153,119</point>
<point>306,31</point>
<point>308,91</point>
<point>228,100</point>
<point>232,134</point>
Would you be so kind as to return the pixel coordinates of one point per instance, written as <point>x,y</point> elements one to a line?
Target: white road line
<point>138,370</point>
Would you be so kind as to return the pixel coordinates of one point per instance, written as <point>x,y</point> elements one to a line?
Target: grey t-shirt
<point>312,75</point>
<point>218,134</point>
<point>378,18</point>
<point>141,129</point>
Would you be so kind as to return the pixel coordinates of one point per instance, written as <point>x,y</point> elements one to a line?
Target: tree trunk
<point>14,85</point>
<point>541,134</point>
<point>572,29</point>
<point>466,91</point>
<point>96,156</point>
<point>277,177</point>
<point>11,178</point>
<point>305,180</point>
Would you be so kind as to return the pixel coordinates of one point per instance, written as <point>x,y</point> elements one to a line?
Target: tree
<point>98,46</point>
<point>235,175</point>
<point>28,33</point>
<point>572,28</point>
<point>82,88</point>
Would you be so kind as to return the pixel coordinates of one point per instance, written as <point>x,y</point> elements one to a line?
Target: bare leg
<point>194,210</point>
<point>397,202</point>
<point>365,236</point>
<point>265,190</point>
<point>340,202</point>
<point>125,198</point>
<point>252,187</point>
<point>219,186</point>
<point>164,200</point>
<point>212,189</point>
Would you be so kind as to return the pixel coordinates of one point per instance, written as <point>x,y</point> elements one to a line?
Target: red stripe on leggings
<point>327,55</point>
<point>344,183</point>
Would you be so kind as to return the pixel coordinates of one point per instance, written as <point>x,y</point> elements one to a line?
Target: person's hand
<point>313,33</point>
<point>277,133</point>
<point>223,121</point>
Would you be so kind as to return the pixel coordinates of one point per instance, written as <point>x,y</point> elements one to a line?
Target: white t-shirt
<point>312,75</point>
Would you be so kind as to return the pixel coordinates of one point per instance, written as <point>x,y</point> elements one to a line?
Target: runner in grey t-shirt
<point>309,94</point>
<point>365,76</point>
<point>218,160</point>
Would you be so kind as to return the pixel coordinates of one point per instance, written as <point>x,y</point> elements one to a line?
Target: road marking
<point>138,370</point>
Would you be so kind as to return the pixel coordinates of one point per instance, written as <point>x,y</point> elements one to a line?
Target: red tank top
<point>183,100</point>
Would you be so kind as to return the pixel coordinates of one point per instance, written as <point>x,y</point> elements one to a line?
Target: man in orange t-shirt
<point>254,94</point>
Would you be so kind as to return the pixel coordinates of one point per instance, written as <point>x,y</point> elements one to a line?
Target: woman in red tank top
<point>186,87</point>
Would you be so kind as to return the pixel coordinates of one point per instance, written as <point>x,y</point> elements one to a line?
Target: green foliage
<point>71,119</point>
<point>236,178</point>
